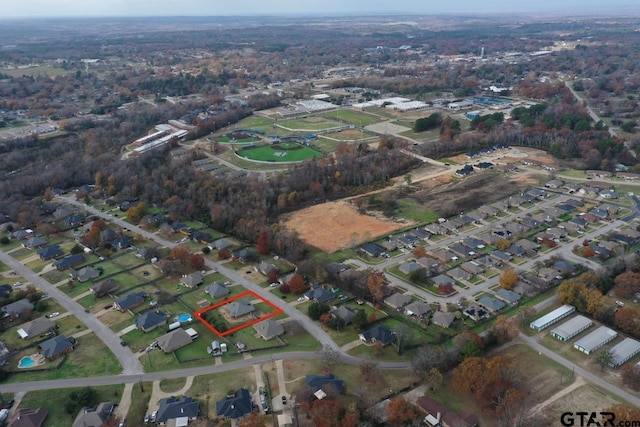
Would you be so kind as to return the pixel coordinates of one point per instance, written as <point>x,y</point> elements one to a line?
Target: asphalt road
<point>128,361</point>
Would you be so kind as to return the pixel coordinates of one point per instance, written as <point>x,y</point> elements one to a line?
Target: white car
<point>54,314</point>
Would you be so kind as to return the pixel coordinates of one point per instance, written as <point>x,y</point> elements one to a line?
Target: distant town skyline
<point>120,8</point>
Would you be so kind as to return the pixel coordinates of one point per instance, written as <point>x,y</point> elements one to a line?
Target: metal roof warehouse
<point>571,328</point>
<point>624,351</point>
<point>551,318</point>
<point>595,340</point>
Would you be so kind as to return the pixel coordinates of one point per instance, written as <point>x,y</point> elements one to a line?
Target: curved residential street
<point>130,364</point>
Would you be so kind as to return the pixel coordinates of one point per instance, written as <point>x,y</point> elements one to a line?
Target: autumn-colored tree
<point>375,285</point>
<point>378,348</point>
<point>627,284</point>
<point>325,317</point>
<point>263,243</point>
<point>285,288</point>
<point>468,344</point>
<point>446,288</point>
<point>630,374</point>
<point>224,254</point>
<point>420,252</point>
<point>369,370</point>
<point>326,413</point>
<point>252,420</point>
<point>627,319</point>
<point>502,244</point>
<point>508,279</point>
<point>92,238</point>
<point>625,415</point>
<point>272,275</point>
<point>180,253</point>
<point>577,293</point>
<point>135,213</point>
<point>351,416</point>
<point>297,284</point>
<point>372,318</point>
<point>399,412</point>
<point>588,252</point>
<point>506,327</point>
<point>196,261</point>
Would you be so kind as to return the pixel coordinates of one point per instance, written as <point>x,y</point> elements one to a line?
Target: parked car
<point>54,314</point>
<point>284,400</point>
<point>121,423</point>
<point>147,418</point>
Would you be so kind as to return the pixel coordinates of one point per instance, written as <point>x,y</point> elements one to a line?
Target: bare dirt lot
<point>336,225</point>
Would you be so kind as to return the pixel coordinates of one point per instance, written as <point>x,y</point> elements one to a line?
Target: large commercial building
<point>595,340</point>
<point>623,351</point>
<point>571,328</point>
<point>551,318</point>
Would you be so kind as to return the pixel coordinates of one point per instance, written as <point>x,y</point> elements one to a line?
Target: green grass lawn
<point>210,388</point>
<point>89,358</point>
<point>140,396</point>
<point>312,123</point>
<point>267,153</point>
<point>411,209</point>
<point>357,118</point>
<point>54,400</point>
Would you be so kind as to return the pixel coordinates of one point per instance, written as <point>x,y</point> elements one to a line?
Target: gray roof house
<point>130,301</point>
<point>344,313</point>
<point>240,308</point>
<point>94,417</point>
<point>151,320</point>
<point>472,267</point>
<point>175,408</point>
<point>410,267</point>
<point>105,287</point>
<point>85,274</point>
<point>50,252</point>
<point>268,329</point>
<point>174,340</point>
<point>491,303</point>
<point>36,327</point>
<point>234,406</point>
<point>56,346</point>
<point>27,417</point>
<point>16,308</point>
<point>379,334</point>
<point>217,290</point>
<point>508,296</point>
<point>191,280</point>
<point>34,242</point>
<point>443,319</point>
<point>319,294</point>
<point>397,301</point>
<point>418,309</point>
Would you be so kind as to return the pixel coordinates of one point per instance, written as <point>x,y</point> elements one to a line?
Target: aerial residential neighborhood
<point>334,219</point>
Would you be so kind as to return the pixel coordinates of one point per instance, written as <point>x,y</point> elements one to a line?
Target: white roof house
<point>595,340</point>
<point>551,318</point>
<point>571,328</point>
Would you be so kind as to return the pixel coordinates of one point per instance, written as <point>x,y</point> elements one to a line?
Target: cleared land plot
<point>282,152</point>
<point>345,223</point>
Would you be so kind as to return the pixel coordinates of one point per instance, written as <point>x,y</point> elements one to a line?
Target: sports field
<point>226,139</point>
<point>310,123</point>
<point>350,135</point>
<point>353,117</point>
<point>282,152</point>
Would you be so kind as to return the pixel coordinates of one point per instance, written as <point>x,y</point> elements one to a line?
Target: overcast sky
<point>47,8</point>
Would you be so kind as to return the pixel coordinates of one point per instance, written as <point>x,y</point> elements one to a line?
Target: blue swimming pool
<point>26,362</point>
<point>184,318</point>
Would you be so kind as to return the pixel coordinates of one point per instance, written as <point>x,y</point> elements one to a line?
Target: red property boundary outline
<point>198,314</point>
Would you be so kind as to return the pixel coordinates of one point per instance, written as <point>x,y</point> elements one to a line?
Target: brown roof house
<point>174,340</point>
<point>26,417</point>
<point>105,287</point>
<point>438,415</point>
<point>268,329</point>
<point>97,417</point>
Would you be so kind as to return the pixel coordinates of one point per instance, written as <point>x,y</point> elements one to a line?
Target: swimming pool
<point>26,362</point>
<point>184,318</point>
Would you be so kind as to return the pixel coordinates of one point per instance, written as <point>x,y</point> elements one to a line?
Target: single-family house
<point>473,243</point>
<point>268,329</point>
<point>475,312</point>
<point>69,261</point>
<point>150,320</point>
<point>388,245</point>
<point>554,183</point>
<point>174,340</point>
<point>508,296</point>
<point>319,294</point>
<point>146,252</point>
<point>458,274</point>
<point>178,227</point>
<point>221,244</point>
<point>549,274</point>
<point>130,301</point>
<point>15,309</point>
<point>419,309</point>
<point>372,249</point>
<point>516,250</point>
<point>89,417</point>
<point>378,333</point>
<point>420,233</point>
<point>491,304</point>
<point>346,314</point>
<point>461,250</point>
<point>234,406</point>
<point>441,416</point>
<point>50,252</point>
<point>201,237</point>
<point>36,327</point>
<point>266,268</point>
<point>22,234</point>
<point>217,290</point>
<point>472,267</point>
<point>323,382</point>
<point>121,242</point>
<point>34,242</point>
<point>443,256</point>
<point>239,308</point>
<point>501,256</point>
<point>85,274</point>
<point>397,300</point>
<point>442,280</point>
<point>57,346</point>
<point>105,287</point>
<point>192,280</point>
<point>488,210</point>
<point>171,409</point>
<point>443,319</point>
<point>245,255</point>
<point>27,417</point>
<point>335,268</point>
